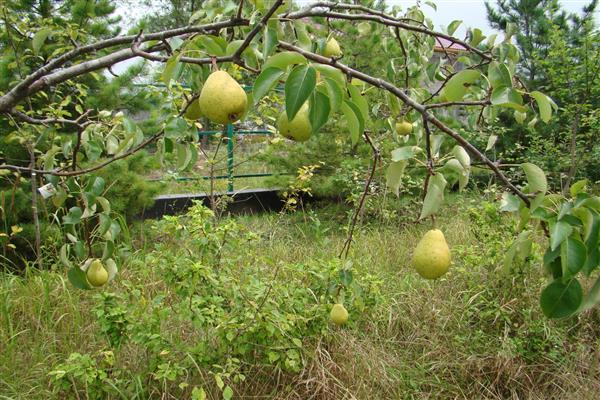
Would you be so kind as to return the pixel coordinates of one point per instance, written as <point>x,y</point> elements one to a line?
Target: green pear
<point>299,129</point>
<point>339,314</point>
<point>222,100</point>
<point>97,275</point>
<point>404,127</point>
<point>332,49</point>
<point>193,112</point>
<point>431,258</point>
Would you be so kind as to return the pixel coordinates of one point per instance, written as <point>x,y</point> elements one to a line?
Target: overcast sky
<point>471,12</point>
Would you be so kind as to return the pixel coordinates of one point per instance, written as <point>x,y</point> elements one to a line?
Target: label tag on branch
<point>47,190</point>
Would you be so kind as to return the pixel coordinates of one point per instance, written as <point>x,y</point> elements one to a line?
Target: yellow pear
<point>222,100</point>
<point>332,49</point>
<point>404,127</point>
<point>97,275</point>
<point>299,129</point>
<point>193,111</point>
<point>431,258</point>
<point>339,314</point>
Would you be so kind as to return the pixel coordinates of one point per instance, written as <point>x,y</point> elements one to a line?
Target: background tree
<point>532,21</point>
<point>558,54</point>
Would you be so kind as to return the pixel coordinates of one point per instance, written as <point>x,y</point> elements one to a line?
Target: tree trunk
<point>34,209</point>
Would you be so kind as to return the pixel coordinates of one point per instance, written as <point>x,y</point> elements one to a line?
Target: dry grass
<point>474,334</point>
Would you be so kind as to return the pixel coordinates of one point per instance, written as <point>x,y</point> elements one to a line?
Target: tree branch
<point>376,157</point>
<point>378,17</point>
<point>36,81</point>
<point>380,83</point>
<point>86,170</point>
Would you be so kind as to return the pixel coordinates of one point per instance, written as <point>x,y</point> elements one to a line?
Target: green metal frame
<point>230,175</point>
<point>230,134</point>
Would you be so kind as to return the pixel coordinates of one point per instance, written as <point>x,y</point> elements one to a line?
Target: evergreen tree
<point>534,20</point>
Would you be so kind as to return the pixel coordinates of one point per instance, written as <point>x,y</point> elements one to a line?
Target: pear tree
<point>423,104</point>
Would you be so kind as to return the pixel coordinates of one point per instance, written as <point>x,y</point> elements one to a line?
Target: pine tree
<point>534,20</point>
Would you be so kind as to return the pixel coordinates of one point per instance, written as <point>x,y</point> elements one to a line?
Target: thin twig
<point>376,157</point>
<point>86,170</point>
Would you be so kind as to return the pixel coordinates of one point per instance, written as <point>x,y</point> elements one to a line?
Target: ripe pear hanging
<point>222,100</point>
<point>332,48</point>
<point>339,314</point>
<point>299,128</point>
<point>431,258</point>
<point>403,127</point>
<point>97,275</point>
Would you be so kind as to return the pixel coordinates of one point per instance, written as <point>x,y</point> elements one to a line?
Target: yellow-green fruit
<point>339,314</point>
<point>332,49</point>
<point>193,111</point>
<point>431,258</point>
<point>403,127</point>
<point>97,275</point>
<point>222,100</point>
<point>299,129</point>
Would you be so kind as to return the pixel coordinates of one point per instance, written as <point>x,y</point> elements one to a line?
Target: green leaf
<point>435,195</point>
<point>393,176</point>
<point>78,278</point>
<point>345,277</point>
<point>491,142</point>
<point>535,178</point>
<point>509,202</point>
<point>104,203</point>
<point>267,79</point>
<point>270,38</point>
<point>476,37</point>
<point>560,300</point>
<point>227,393</point>
<point>353,119</point>
<point>214,45</point>
<point>184,156</point>
<point>453,26</point>
<point>559,233</point>
<point>499,75</point>
<point>328,71</point>
<point>198,394</point>
<point>73,217</point>
<point>284,59</point>
<point>97,187</point>
<point>462,156</point>
<point>573,254</point>
<point>457,86</point>
<point>578,187</point>
<point>335,94</point>
<point>319,111</point>
<point>303,38</point>
<point>520,249</point>
<point>507,97</point>
<point>170,69</point>
<point>544,105</point>
<point>360,101</point>
<point>39,39</point>
<point>64,257</point>
<point>404,153</point>
<point>299,86</point>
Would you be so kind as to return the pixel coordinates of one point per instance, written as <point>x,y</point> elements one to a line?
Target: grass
<point>476,333</point>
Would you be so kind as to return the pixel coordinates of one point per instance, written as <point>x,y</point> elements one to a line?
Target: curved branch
<point>85,170</point>
<point>378,17</point>
<point>23,88</point>
<point>420,108</point>
<point>459,103</point>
